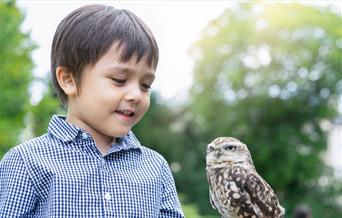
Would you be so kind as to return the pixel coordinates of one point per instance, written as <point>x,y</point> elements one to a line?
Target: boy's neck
<point>103,143</point>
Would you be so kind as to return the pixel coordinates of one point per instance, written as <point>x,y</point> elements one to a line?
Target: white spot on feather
<point>236,196</point>
<point>233,187</point>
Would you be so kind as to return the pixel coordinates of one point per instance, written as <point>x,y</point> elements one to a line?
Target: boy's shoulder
<point>32,146</point>
<point>148,152</point>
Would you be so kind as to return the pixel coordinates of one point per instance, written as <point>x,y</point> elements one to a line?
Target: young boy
<point>89,163</point>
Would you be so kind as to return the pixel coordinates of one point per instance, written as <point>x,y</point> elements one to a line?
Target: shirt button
<point>108,196</point>
<point>103,163</point>
<point>84,135</point>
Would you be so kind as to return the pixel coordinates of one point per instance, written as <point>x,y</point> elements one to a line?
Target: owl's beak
<point>218,154</point>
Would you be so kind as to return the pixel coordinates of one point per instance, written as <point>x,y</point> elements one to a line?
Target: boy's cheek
<point>144,112</point>
<point>148,102</point>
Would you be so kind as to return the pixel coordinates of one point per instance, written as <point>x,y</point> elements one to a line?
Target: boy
<point>89,164</point>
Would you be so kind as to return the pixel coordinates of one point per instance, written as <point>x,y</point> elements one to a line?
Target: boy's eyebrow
<point>129,70</point>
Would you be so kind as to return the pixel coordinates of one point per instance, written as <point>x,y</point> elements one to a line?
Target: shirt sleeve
<point>17,196</point>
<point>170,205</point>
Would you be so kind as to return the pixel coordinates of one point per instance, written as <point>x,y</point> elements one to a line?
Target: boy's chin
<point>121,134</point>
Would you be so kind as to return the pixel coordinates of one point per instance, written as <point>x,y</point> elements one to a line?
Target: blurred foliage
<point>15,74</point>
<point>268,74</point>
<point>190,210</point>
<point>271,81</point>
<point>41,113</point>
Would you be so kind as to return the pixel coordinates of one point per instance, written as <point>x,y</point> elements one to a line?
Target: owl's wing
<point>211,200</point>
<point>248,192</point>
<point>263,196</point>
<point>211,196</point>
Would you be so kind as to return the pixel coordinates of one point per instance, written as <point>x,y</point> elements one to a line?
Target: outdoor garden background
<point>268,73</point>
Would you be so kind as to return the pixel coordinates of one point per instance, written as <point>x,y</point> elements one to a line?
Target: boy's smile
<point>111,98</point>
<point>126,114</point>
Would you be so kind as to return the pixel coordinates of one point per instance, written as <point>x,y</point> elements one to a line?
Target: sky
<point>175,24</point>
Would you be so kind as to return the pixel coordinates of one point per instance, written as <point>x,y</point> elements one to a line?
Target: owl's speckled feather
<point>236,189</point>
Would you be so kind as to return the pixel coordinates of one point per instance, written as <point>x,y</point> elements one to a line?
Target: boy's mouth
<point>125,112</point>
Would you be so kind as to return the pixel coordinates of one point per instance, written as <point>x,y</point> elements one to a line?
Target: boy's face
<point>112,96</point>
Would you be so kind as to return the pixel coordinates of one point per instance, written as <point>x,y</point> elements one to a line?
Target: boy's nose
<point>134,94</point>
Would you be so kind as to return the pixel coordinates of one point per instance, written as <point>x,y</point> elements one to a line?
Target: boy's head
<point>87,33</point>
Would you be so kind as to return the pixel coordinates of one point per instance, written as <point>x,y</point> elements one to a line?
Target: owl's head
<point>224,151</point>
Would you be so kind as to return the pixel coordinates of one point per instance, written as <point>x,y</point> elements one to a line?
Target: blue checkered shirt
<point>63,174</point>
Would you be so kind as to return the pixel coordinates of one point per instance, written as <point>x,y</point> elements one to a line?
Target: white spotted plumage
<point>236,190</point>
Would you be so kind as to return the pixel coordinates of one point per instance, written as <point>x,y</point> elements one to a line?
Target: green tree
<point>41,113</point>
<point>15,74</point>
<point>270,74</point>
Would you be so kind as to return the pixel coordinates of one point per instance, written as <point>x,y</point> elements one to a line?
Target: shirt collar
<point>61,129</point>
<point>66,132</point>
<point>125,143</point>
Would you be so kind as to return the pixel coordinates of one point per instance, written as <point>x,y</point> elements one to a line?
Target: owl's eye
<point>210,149</point>
<point>229,147</point>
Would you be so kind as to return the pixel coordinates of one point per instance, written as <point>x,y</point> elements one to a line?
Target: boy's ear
<point>66,81</point>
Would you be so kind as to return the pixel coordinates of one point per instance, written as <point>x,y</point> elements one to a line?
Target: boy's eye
<point>146,86</point>
<point>120,81</point>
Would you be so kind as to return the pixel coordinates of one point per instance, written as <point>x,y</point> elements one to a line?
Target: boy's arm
<point>17,196</point>
<point>170,206</point>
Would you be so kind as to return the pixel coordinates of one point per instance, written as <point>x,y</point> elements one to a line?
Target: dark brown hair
<point>86,34</point>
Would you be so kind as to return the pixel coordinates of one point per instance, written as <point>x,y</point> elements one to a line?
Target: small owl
<point>236,189</point>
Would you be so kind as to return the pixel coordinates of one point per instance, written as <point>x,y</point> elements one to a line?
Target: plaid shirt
<point>63,174</point>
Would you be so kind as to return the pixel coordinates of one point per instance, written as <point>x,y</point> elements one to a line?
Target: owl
<point>236,190</point>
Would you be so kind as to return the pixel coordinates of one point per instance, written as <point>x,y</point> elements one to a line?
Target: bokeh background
<point>266,72</point>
